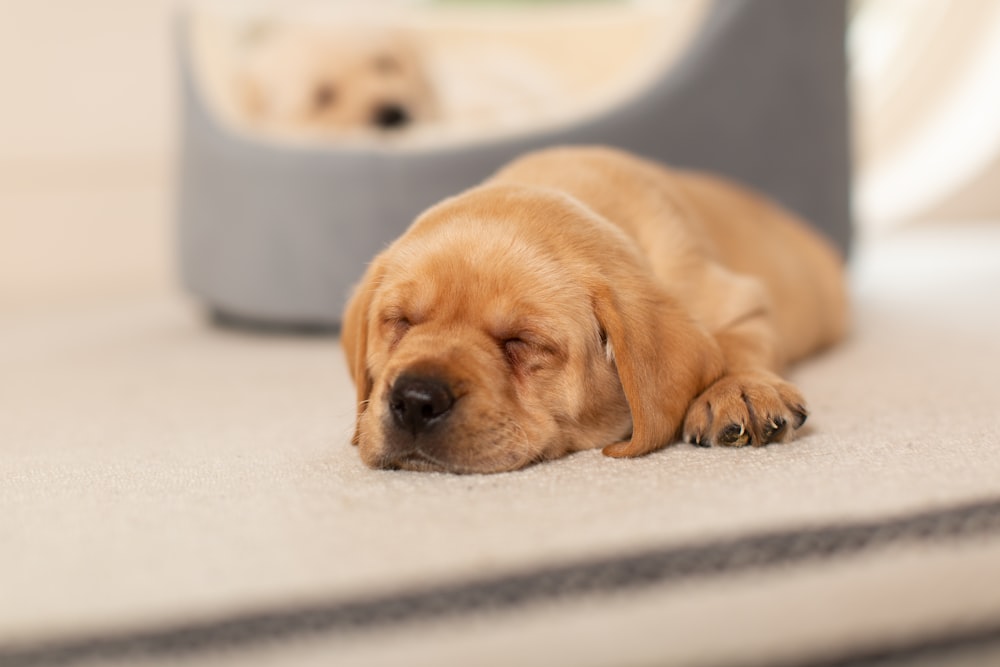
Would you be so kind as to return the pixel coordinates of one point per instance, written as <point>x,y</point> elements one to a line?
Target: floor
<point>157,469</point>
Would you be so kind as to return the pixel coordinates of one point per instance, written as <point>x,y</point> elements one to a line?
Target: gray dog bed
<point>277,233</point>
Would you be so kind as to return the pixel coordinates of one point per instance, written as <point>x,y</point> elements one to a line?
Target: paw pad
<point>743,409</point>
<point>735,435</point>
<point>773,429</point>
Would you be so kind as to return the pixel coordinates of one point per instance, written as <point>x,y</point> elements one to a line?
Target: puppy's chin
<point>381,453</point>
<point>417,461</point>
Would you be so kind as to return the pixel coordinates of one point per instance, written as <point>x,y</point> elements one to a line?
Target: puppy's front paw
<point>745,409</point>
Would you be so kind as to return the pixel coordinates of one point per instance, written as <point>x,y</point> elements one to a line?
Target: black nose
<point>390,116</point>
<point>417,403</point>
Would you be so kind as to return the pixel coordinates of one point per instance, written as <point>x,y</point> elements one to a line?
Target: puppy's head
<point>489,336</point>
<point>337,80</point>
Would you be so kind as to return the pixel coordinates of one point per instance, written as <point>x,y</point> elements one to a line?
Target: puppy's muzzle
<point>419,403</point>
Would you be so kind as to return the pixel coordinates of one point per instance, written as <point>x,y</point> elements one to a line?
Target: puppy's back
<point>681,219</point>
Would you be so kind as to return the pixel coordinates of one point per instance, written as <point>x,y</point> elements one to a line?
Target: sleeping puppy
<point>584,298</point>
<point>332,81</point>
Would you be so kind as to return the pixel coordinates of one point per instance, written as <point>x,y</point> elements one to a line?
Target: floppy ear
<point>354,337</point>
<point>664,360</point>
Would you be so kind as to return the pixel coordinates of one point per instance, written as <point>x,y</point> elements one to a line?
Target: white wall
<point>84,80</point>
<point>86,106</point>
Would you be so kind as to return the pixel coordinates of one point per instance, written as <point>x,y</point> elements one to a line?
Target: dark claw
<point>801,414</point>
<point>735,435</point>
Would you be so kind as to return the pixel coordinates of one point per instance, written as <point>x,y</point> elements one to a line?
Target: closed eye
<point>515,349</point>
<point>529,353</point>
<point>386,64</point>
<point>324,96</point>
<point>396,326</point>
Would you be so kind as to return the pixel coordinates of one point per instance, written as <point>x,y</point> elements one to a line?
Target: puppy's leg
<point>750,404</point>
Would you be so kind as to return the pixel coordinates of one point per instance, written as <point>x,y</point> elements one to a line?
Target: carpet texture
<point>174,493</point>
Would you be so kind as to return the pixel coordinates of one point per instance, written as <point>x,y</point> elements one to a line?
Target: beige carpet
<point>173,493</point>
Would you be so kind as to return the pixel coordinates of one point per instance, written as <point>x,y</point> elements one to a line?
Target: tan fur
<point>334,80</point>
<point>637,303</point>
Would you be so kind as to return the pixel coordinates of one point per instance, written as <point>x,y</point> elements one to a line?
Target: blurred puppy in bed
<point>335,81</point>
<point>582,298</point>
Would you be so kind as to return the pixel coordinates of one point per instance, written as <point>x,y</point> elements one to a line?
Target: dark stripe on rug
<point>935,650</point>
<point>555,582</point>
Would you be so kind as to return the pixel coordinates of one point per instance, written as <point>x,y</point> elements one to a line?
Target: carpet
<point>177,493</point>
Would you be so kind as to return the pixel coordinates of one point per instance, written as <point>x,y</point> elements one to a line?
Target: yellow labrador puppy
<point>581,298</point>
<point>331,80</point>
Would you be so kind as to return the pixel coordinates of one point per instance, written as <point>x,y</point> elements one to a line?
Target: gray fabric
<point>280,233</point>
